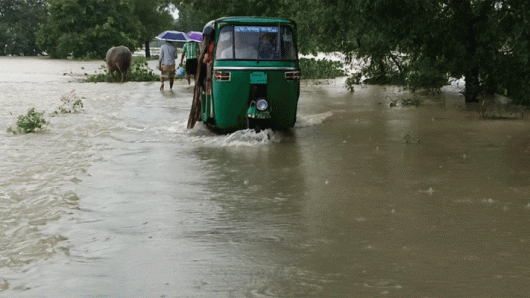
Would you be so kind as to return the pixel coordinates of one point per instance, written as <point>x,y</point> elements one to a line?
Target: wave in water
<point>310,120</point>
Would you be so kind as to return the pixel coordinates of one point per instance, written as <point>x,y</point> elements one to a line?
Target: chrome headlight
<point>262,104</point>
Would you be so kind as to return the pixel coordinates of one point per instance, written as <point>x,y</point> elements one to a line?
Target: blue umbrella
<point>174,36</point>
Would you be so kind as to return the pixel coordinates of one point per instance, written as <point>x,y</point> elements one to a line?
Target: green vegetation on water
<point>34,121</point>
<point>30,122</point>
<point>400,71</point>
<point>139,71</point>
<point>320,69</point>
<point>70,104</point>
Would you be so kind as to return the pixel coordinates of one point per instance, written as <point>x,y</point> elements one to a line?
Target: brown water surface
<point>360,199</point>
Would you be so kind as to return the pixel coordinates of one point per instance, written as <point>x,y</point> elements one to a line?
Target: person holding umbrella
<point>166,63</point>
<point>191,52</point>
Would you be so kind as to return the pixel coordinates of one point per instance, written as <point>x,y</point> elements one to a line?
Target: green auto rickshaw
<point>255,74</point>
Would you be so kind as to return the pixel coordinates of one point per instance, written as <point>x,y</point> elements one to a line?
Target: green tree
<point>88,28</point>
<point>155,17</point>
<point>323,25</point>
<point>194,14</point>
<point>512,73</point>
<point>19,20</point>
<point>484,41</point>
<point>418,42</point>
<point>190,18</point>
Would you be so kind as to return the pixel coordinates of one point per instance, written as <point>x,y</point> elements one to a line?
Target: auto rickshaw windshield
<point>256,43</point>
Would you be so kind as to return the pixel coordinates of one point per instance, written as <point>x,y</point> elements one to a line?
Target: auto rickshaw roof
<point>261,20</point>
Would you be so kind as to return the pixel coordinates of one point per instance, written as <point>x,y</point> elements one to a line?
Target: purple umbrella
<point>195,35</point>
<point>174,36</point>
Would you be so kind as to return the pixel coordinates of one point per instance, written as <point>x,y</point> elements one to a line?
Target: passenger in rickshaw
<point>225,50</point>
<point>203,75</point>
<point>207,59</point>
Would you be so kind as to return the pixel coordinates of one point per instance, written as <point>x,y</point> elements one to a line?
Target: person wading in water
<point>166,64</point>
<point>191,52</point>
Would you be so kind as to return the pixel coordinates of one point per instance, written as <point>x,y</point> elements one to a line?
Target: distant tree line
<point>79,28</point>
<point>420,43</point>
<point>19,20</point>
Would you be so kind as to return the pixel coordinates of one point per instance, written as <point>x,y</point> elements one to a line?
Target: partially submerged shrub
<point>33,120</point>
<point>139,71</point>
<point>382,71</point>
<point>70,104</point>
<point>30,122</point>
<point>320,69</point>
<point>404,102</point>
<point>351,81</point>
<point>411,102</point>
<point>399,70</point>
<point>430,81</point>
<point>489,107</point>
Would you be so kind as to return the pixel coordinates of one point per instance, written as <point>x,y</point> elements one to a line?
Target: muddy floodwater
<point>360,199</point>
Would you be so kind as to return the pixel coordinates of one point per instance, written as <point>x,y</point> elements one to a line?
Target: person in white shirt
<point>166,64</point>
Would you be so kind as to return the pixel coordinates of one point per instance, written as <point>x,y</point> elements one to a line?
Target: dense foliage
<point>88,28</point>
<point>484,41</point>
<point>19,20</point>
<point>154,16</point>
<point>414,42</point>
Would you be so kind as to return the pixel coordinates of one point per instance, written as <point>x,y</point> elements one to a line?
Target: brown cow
<point>119,59</point>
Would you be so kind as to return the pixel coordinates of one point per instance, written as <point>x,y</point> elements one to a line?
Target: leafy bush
<point>428,80</point>
<point>411,102</point>
<point>29,123</point>
<point>139,71</point>
<point>383,70</point>
<point>352,80</point>
<point>490,107</point>
<point>320,69</point>
<point>70,104</point>
<point>421,74</point>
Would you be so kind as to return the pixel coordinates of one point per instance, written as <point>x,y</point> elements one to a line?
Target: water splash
<point>309,120</point>
<point>250,137</point>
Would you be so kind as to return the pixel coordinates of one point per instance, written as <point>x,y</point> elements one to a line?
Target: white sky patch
<point>174,12</point>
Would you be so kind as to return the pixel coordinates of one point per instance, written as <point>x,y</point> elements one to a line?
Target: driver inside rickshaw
<point>248,42</point>
<point>267,46</point>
